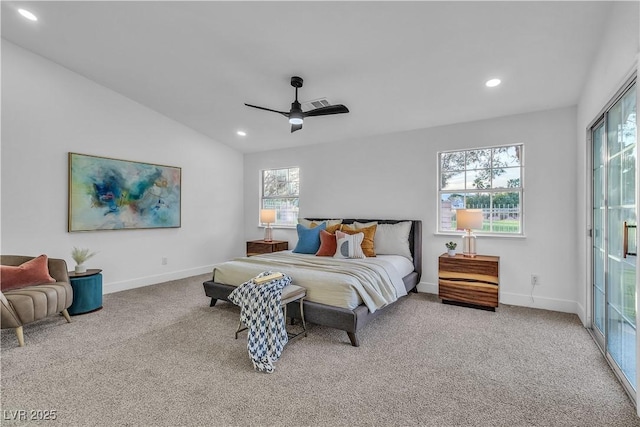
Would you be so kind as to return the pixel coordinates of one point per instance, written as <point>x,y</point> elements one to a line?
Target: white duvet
<point>347,283</point>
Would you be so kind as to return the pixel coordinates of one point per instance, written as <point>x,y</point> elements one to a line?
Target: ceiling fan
<point>296,115</point>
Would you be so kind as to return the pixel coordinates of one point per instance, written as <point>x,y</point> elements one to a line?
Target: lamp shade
<point>469,219</point>
<point>267,216</point>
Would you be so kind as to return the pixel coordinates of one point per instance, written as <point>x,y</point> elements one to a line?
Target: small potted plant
<point>80,256</point>
<point>451,248</point>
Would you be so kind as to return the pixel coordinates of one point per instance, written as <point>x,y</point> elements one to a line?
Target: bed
<point>331,277</point>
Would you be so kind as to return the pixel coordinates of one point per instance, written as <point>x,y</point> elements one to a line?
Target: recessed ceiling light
<point>241,133</point>
<point>30,16</point>
<point>492,82</point>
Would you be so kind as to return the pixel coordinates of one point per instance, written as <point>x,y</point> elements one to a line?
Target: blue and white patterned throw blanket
<point>261,313</point>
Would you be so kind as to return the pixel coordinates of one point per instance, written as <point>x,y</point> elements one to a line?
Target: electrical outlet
<point>535,280</point>
<point>165,261</point>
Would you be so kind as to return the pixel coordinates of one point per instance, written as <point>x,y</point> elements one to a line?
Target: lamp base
<point>469,245</point>
<point>267,234</point>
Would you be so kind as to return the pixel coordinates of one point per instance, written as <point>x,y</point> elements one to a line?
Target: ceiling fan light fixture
<point>296,115</point>
<point>295,119</point>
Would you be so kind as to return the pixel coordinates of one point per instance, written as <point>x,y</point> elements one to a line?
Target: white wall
<point>48,111</point>
<point>616,59</point>
<point>395,176</point>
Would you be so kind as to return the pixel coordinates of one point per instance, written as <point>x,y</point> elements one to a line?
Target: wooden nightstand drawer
<point>485,265</point>
<point>469,292</point>
<point>469,281</point>
<point>256,247</point>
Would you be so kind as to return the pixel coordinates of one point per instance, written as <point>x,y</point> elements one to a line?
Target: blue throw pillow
<point>308,239</point>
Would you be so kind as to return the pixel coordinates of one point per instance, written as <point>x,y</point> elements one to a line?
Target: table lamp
<point>267,216</point>
<point>467,220</point>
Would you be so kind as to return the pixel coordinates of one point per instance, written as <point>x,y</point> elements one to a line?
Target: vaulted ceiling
<point>397,65</point>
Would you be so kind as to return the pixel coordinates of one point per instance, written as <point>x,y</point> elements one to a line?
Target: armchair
<point>21,306</point>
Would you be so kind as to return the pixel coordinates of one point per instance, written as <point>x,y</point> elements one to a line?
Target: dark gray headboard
<point>415,236</point>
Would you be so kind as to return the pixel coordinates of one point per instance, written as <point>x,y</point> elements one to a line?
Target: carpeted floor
<point>160,356</point>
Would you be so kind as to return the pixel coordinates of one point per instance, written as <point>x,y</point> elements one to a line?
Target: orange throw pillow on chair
<point>33,272</point>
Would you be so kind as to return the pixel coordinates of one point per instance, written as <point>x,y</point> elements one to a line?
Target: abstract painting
<point>111,194</point>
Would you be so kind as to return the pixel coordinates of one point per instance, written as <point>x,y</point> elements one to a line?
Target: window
<point>487,178</point>
<point>281,191</point>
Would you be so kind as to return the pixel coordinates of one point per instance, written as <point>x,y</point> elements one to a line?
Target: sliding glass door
<point>598,233</point>
<point>614,236</point>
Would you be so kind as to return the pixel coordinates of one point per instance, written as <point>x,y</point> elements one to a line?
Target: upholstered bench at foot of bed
<point>290,294</point>
<point>350,321</point>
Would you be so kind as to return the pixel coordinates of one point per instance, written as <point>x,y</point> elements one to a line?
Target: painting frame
<point>106,193</point>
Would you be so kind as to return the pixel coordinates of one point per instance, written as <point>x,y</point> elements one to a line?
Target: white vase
<point>451,252</point>
<point>81,268</point>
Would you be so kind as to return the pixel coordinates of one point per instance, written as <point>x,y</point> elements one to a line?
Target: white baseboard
<point>429,288</point>
<point>553,304</point>
<point>109,288</point>
<point>582,314</point>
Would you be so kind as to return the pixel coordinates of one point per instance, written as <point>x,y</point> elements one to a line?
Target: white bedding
<point>402,264</point>
<point>347,283</point>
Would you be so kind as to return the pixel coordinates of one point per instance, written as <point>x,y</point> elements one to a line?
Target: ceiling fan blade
<point>295,128</point>
<point>325,111</point>
<point>286,114</point>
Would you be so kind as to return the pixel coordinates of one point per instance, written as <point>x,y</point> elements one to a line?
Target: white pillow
<point>349,245</point>
<point>329,222</point>
<point>358,225</point>
<point>390,239</point>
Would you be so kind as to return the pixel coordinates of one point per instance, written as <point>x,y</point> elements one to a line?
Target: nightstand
<point>257,247</point>
<point>472,282</point>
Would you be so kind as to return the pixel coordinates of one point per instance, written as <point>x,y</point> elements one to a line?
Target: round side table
<point>87,291</point>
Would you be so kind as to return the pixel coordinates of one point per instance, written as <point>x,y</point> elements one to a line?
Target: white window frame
<point>285,218</point>
<point>465,192</point>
